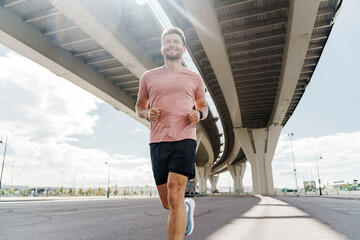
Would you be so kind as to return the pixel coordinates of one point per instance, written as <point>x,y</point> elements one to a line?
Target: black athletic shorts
<point>177,157</point>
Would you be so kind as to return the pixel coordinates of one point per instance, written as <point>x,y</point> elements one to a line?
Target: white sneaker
<point>190,223</point>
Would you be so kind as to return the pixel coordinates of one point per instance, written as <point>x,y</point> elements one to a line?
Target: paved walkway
<point>218,218</point>
<point>275,219</point>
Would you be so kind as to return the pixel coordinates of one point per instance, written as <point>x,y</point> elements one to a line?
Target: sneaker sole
<point>192,208</point>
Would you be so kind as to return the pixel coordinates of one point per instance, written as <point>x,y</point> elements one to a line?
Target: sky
<point>60,135</point>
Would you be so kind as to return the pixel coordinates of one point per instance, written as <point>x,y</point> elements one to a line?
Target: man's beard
<point>177,56</point>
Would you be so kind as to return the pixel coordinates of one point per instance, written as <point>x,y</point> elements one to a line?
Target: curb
<point>345,198</point>
<point>34,199</point>
<point>327,196</point>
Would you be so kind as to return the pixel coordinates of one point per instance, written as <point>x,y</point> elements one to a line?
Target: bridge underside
<point>256,58</point>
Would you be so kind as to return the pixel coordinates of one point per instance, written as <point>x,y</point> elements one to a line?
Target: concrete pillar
<point>237,173</point>
<point>198,139</point>
<point>202,175</point>
<point>259,147</point>
<point>213,180</point>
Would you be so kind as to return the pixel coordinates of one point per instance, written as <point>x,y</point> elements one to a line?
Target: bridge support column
<point>202,175</point>
<point>259,147</point>
<point>237,173</point>
<point>198,139</point>
<point>214,180</point>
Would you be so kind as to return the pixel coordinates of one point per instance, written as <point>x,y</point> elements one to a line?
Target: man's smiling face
<point>172,47</point>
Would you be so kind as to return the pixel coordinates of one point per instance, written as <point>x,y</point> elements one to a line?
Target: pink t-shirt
<point>174,93</point>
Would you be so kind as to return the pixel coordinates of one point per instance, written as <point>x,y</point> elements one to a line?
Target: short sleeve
<point>200,90</point>
<point>143,90</point>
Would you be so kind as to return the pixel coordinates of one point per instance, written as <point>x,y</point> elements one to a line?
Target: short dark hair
<point>173,30</point>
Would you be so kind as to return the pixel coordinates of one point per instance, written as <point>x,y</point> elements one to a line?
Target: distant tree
<point>100,192</point>
<point>125,192</point>
<point>21,193</point>
<point>116,192</point>
<point>142,192</point>
<point>11,191</point>
<point>89,192</point>
<point>71,191</point>
<point>61,189</point>
<point>3,191</point>
<point>51,193</point>
<point>80,191</point>
<point>28,191</point>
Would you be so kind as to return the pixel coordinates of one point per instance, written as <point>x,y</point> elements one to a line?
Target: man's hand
<point>153,114</point>
<point>194,116</point>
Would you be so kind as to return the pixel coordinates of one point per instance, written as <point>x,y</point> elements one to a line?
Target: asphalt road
<point>138,219</point>
<point>341,215</point>
<point>133,219</point>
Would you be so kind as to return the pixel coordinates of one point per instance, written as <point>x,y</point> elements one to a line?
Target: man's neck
<point>173,65</point>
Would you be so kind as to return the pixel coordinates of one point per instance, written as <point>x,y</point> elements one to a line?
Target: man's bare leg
<point>177,219</point>
<point>163,194</point>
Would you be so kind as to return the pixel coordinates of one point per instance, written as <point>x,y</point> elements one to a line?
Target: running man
<point>166,97</point>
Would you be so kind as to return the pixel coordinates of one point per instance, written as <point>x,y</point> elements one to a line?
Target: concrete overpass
<point>255,56</point>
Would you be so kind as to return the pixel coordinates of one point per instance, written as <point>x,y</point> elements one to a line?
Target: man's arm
<point>143,111</point>
<point>201,105</point>
<point>142,107</point>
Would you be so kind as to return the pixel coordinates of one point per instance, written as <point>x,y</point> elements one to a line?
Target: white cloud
<point>41,105</point>
<point>340,159</point>
<point>41,114</point>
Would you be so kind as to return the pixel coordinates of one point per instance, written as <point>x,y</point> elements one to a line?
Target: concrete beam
<point>254,12</point>
<point>10,3</point>
<point>259,36</point>
<point>302,16</point>
<point>98,20</point>
<point>42,14</point>
<point>29,42</point>
<point>209,32</point>
<point>252,26</point>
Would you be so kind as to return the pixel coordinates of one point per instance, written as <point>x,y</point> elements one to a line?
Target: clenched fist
<point>194,116</point>
<point>153,114</point>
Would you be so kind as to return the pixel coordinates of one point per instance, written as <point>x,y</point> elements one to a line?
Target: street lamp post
<point>3,162</point>
<point>317,166</point>
<point>292,148</point>
<point>108,188</point>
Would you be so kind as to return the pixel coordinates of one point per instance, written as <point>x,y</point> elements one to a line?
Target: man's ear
<point>161,50</point>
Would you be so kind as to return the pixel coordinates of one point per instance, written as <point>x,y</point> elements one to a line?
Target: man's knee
<point>175,195</point>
